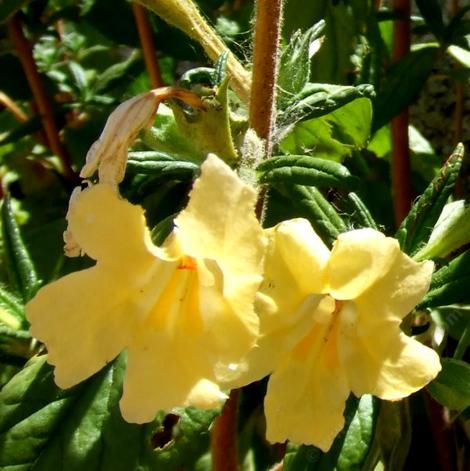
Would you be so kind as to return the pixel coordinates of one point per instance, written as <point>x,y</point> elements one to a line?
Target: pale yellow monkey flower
<point>179,310</point>
<point>330,324</point>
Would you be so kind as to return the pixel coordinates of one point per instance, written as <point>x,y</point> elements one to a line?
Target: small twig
<point>25,54</point>
<point>400,165</point>
<point>148,46</point>
<point>224,436</point>
<point>13,108</point>
<point>265,68</point>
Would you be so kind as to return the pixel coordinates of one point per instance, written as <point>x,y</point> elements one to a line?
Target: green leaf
<point>454,319</point>
<point>460,54</point>
<point>452,231</point>
<point>160,164</point>
<point>452,386</point>
<point>9,8</point>
<point>431,11</point>
<point>360,213</point>
<point>333,136</point>
<point>11,310</point>
<point>312,205</point>
<point>305,170</point>
<point>20,268</point>
<point>350,447</point>
<point>394,433</point>
<point>415,230</point>
<point>319,99</point>
<point>449,284</point>
<point>45,428</point>
<point>294,64</point>
<point>115,73</point>
<point>395,95</point>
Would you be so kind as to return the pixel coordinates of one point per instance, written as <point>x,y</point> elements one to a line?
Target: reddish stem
<point>25,55</point>
<point>400,165</point>
<point>148,46</point>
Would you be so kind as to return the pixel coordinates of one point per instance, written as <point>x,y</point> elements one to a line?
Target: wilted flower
<point>179,310</point>
<point>330,324</point>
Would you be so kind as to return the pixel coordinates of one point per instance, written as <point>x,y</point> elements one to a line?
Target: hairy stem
<point>13,108</point>
<point>265,68</point>
<point>148,46</point>
<point>401,168</point>
<point>224,436</point>
<point>25,55</point>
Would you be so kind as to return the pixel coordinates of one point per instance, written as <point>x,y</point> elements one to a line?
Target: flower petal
<point>397,293</point>
<point>380,359</point>
<point>305,403</point>
<point>109,228</point>
<point>164,372</point>
<point>307,393</point>
<point>219,225</point>
<point>85,319</point>
<point>359,258</point>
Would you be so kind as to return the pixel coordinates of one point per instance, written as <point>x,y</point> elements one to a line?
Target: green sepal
<point>295,62</point>
<point>43,427</point>
<point>305,170</point>
<point>19,266</point>
<point>452,386</point>
<point>160,164</point>
<point>319,99</point>
<point>415,230</point>
<point>312,205</point>
<point>350,448</point>
<point>209,130</point>
<point>449,284</point>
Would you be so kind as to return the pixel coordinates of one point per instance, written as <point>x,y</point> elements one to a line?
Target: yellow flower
<point>179,310</point>
<point>330,324</point>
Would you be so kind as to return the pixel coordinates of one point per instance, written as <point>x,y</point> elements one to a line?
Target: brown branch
<point>13,108</point>
<point>148,46</point>
<point>265,68</point>
<point>224,436</point>
<point>400,165</point>
<point>25,55</point>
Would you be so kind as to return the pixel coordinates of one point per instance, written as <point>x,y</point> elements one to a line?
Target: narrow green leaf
<point>452,386</point>
<point>11,310</point>
<point>312,205</point>
<point>431,11</point>
<point>305,170</point>
<point>450,284</point>
<point>220,69</point>
<point>318,99</point>
<point>20,268</point>
<point>294,64</point>
<point>360,212</point>
<point>454,319</point>
<point>417,226</point>
<point>160,164</point>
<point>460,54</point>
<point>43,428</point>
<point>396,95</point>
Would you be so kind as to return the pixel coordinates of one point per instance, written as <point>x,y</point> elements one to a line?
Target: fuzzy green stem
<point>265,69</point>
<point>184,15</point>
